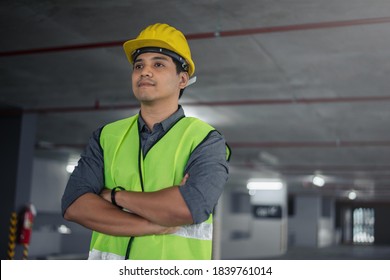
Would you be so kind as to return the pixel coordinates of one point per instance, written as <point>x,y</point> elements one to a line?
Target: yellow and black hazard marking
<point>25,251</point>
<point>12,236</point>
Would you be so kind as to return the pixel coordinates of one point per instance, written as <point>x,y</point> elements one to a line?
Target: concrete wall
<point>313,222</point>
<point>245,236</point>
<point>48,183</point>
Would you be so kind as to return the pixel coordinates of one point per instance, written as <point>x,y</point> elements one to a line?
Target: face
<point>155,78</point>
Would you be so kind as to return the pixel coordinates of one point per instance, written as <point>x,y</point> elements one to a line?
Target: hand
<point>106,194</point>
<point>184,180</point>
<point>167,230</point>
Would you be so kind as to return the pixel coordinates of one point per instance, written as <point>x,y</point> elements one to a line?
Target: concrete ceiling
<point>297,87</point>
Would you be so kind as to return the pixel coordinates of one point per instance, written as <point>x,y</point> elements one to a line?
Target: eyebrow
<point>153,58</point>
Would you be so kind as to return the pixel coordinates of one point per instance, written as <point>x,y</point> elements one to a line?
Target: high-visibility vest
<point>162,166</point>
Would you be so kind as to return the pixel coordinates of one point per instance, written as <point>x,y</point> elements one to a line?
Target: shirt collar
<point>166,124</point>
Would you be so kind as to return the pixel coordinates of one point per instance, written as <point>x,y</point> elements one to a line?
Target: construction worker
<point>147,185</point>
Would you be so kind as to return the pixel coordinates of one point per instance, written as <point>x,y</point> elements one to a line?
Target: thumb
<point>184,180</point>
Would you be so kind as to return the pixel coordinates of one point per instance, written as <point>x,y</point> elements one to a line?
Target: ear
<point>184,78</point>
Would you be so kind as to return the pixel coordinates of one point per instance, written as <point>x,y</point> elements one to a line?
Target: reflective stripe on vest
<point>203,231</point>
<point>99,255</point>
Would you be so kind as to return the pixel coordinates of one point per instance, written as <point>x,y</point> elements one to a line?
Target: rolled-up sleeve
<point>208,172</point>
<point>88,175</point>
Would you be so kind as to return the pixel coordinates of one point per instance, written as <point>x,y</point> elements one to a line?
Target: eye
<point>137,66</point>
<point>158,65</point>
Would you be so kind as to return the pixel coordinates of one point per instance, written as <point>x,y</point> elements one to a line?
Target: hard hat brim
<point>132,45</point>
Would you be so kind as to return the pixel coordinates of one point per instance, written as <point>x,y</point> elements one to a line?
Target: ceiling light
<point>63,229</point>
<point>72,163</point>
<point>70,168</point>
<point>252,192</point>
<point>264,184</point>
<point>352,195</point>
<point>319,181</point>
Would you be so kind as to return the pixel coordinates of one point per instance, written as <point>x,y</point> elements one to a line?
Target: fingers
<point>106,194</point>
<point>167,230</point>
<point>184,180</point>
<point>170,230</point>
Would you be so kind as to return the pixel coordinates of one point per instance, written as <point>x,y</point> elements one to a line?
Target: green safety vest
<point>162,166</point>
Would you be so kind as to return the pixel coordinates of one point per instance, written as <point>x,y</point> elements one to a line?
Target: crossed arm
<point>151,213</point>
<point>165,207</point>
<point>86,202</point>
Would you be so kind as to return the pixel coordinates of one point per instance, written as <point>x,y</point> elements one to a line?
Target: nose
<point>146,71</point>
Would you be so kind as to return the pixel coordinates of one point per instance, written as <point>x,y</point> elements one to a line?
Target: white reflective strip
<point>201,231</point>
<point>98,255</point>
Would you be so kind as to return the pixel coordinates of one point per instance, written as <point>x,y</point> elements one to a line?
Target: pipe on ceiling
<point>249,102</point>
<point>256,145</point>
<point>308,144</point>
<point>206,35</point>
<point>209,35</point>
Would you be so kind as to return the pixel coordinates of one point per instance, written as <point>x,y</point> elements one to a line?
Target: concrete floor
<point>341,252</point>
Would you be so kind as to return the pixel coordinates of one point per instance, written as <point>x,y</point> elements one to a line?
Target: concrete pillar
<point>307,215</point>
<point>17,150</point>
<point>217,229</point>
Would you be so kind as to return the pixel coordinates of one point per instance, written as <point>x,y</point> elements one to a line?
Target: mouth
<point>145,83</point>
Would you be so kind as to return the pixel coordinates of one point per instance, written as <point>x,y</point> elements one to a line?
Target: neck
<point>155,114</point>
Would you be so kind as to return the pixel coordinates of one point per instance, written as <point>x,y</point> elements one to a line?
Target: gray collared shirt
<point>207,167</point>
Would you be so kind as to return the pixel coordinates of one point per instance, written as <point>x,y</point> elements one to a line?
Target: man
<point>147,185</point>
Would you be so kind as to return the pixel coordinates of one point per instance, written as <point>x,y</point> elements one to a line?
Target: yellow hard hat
<point>161,37</point>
